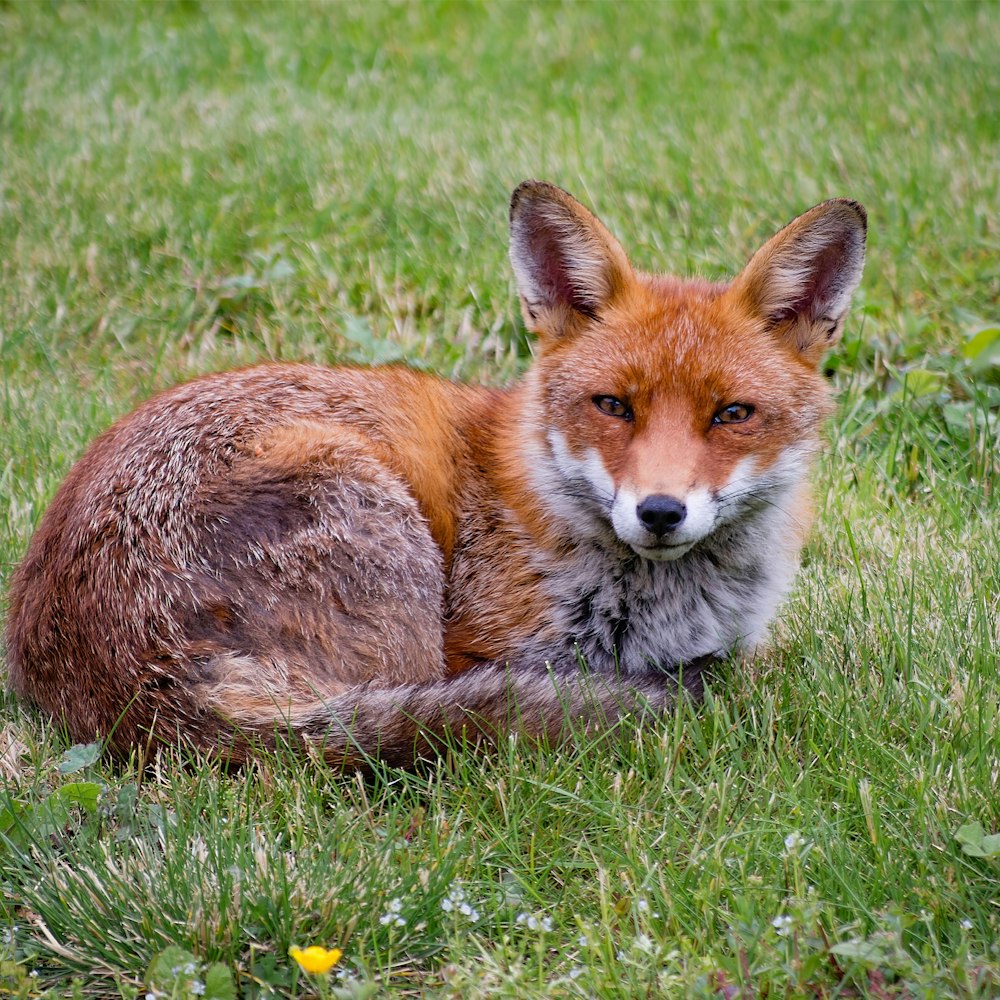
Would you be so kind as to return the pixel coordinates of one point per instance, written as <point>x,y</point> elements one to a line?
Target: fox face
<point>691,419</point>
<point>669,409</point>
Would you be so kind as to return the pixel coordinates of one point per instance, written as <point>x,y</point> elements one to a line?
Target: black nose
<point>661,514</point>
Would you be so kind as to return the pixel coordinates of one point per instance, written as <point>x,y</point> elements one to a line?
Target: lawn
<point>186,187</point>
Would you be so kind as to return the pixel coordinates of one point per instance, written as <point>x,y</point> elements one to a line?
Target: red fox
<point>366,559</point>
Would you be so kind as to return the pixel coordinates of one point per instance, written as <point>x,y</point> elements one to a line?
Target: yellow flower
<point>315,959</point>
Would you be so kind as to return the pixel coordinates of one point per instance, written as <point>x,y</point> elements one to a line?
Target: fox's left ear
<point>801,281</point>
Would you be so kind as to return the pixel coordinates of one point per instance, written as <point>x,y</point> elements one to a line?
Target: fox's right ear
<point>568,267</point>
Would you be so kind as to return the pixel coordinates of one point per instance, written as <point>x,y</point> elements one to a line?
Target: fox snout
<point>661,526</point>
<point>663,519</point>
<point>661,514</point>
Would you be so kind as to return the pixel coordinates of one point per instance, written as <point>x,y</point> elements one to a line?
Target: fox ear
<point>801,281</point>
<point>568,267</point>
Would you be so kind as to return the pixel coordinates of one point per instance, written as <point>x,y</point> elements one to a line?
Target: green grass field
<point>187,187</point>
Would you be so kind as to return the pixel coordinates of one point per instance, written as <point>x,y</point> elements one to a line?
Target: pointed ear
<point>801,281</point>
<point>567,265</point>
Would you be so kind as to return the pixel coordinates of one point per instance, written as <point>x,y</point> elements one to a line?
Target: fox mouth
<point>663,551</point>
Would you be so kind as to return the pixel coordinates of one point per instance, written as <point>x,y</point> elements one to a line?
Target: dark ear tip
<point>519,192</point>
<point>854,207</point>
<point>859,210</point>
<point>534,189</point>
<point>524,187</point>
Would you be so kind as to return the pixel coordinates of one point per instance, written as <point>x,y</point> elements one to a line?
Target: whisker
<point>759,500</point>
<point>591,502</point>
<point>587,492</point>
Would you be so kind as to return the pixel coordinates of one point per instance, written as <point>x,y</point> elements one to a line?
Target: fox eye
<point>735,413</point>
<point>613,407</point>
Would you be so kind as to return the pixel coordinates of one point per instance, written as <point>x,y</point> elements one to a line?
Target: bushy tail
<point>404,724</point>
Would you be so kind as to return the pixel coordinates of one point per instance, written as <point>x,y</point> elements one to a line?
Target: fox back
<point>364,560</point>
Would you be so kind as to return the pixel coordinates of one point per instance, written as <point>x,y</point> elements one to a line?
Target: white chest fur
<point>623,612</point>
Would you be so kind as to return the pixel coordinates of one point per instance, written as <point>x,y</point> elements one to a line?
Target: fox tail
<point>408,723</point>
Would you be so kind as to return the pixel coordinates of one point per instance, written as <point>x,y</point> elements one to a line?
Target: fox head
<point>667,409</point>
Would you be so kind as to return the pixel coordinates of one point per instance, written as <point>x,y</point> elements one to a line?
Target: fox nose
<point>661,514</point>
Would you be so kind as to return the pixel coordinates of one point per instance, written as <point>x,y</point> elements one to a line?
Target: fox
<point>365,560</point>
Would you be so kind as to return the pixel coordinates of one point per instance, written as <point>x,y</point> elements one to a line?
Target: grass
<point>187,187</point>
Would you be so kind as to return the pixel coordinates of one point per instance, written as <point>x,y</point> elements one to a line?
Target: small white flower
<point>783,925</point>
<point>392,917</point>
<point>793,842</point>
<point>455,901</point>
<point>532,922</point>
<point>966,924</point>
<point>642,905</point>
<point>197,988</point>
<point>582,941</point>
